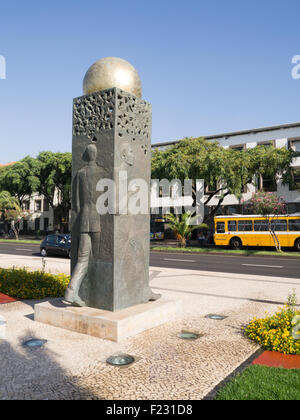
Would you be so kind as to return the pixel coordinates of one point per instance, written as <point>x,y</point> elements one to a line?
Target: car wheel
<point>43,252</point>
<point>297,245</point>
<point>236,243</point>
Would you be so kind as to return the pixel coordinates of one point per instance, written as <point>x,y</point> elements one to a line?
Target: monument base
<point>114,326</point>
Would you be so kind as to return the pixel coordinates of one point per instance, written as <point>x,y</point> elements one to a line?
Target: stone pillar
<point>110,252</point>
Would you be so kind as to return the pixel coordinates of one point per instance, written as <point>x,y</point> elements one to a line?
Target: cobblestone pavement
<point>72,365</point>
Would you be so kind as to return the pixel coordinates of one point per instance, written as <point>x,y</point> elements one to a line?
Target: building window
<point>293,208</point>
<point>238,148</point>
<point>46,205</point>
<point>37,224</point>
<point>267,143</point>
<point>46,224</point>
<point>295,184</point>
<point>26,205</point>
<point>25,226</point>
<point>211,188</point>
<point>266,183</point>
<point>38,205</point>
<point>295,145</point>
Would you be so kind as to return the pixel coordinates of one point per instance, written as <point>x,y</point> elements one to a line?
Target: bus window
<point>232,226</point>
<point>279,225</point>
<point>261,226</point>
<point>220,227</point>
<point>294,225</point>
<point>245,225</point>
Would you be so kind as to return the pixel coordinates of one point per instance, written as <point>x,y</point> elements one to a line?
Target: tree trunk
<point>210,218</point>
<point>278,248</point>
<point>182,242</point>
<point>275,239</point>
<point>15,230</point>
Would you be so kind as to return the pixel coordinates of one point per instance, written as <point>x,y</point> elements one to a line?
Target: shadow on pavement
<point>34,374</point>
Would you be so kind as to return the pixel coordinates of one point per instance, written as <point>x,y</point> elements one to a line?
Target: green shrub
<point>24,284</point>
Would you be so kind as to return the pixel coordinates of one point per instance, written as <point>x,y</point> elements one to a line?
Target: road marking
<point>269,266</point>
<point>175,259</point>
<point>23,249</point>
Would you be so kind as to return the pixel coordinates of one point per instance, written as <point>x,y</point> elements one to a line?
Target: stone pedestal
<point>108,325</point>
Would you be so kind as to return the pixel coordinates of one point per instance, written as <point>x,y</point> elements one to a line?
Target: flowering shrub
<point>267,203</point>
<point>24,284</point>
<point>275,333</point>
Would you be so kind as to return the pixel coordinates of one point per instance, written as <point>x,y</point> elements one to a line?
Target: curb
<point>248,362</point>
<point>225,254</point>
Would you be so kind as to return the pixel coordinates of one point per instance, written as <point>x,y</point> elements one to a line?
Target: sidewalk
<point>53,265</point>
<point>72,365</point>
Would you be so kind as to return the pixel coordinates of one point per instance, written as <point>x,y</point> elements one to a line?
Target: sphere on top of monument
<point>112,72</point>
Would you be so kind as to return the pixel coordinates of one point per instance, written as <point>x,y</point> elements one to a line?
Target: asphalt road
<point>19,249</point>
<point>263,266</point>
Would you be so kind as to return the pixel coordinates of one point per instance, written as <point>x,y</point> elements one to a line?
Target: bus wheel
<point>297,244</point>
<point>236,243</point>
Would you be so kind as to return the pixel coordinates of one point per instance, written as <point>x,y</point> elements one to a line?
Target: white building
<point>40,215</point>
<point>287,135</point>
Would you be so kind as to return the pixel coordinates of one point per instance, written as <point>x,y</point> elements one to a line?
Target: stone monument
<point>111,133</point>
<point>110,252</point>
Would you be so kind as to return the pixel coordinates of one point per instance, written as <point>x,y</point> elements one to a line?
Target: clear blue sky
<point>207,67</point>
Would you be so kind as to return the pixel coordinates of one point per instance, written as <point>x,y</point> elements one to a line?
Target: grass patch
<point>21,241</point>
<point>24,284</point>
<point>246,252</point>
<point>263,383</point>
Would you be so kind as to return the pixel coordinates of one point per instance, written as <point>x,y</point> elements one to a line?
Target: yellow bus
<point>252,230</point>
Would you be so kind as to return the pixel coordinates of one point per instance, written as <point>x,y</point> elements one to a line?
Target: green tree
<point>55,183</point>
<point>225,171</point>
<point>182,226</point>
<point>271,162</point>
<point>21,179</point>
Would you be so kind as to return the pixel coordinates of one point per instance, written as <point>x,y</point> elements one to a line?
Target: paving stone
<point>73,366</point>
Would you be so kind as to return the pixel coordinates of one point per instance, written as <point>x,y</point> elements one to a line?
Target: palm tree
<point>182,227</point>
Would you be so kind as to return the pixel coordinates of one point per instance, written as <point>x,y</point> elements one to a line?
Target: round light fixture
<point>187,335</point>
<point>34,343</point>
<point>120,360</point>
<point>216,317</point>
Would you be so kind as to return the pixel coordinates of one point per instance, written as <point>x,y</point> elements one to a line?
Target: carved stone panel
<point>118,124</point>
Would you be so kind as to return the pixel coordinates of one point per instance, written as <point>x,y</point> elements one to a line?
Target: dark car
<point>58,244</point>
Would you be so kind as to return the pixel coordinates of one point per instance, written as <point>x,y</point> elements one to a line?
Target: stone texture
<point>114,326</point>
<point>118,125</point>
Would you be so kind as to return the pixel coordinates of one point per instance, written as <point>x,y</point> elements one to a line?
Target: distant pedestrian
<point>201,238</point>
